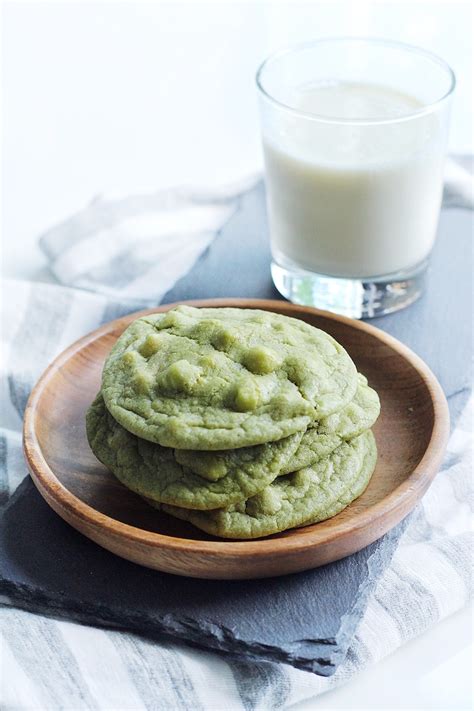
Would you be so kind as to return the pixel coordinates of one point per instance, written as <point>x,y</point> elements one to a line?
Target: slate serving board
<point>307,619</point>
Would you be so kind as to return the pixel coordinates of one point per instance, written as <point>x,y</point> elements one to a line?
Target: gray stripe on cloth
<point>158,674</point>
<point>352,662</point>
<point>420,529</point>
<point>132,263</point>
<point>462,489</point>
<point>392,593</point>
<point>450,460</point>
<point>116,309</point>
<point>120,270</point>
<point>103,213</point>
<point>12,459</point>
<point>38,333</point>
<point>261,684</point>
<point>458,551</point>
<point>463,492</point>
<point>4,487</point>
<point>42,653</point>
<point>358,654</point>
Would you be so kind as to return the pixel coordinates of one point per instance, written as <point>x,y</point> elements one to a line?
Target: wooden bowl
<point>411,436</point>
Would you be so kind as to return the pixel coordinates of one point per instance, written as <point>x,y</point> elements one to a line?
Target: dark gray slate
<point>307,619</point>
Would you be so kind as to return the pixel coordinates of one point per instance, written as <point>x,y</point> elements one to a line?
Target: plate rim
<point>404,496</point>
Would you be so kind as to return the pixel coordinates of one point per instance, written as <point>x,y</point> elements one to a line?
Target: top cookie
<point>224,378</point>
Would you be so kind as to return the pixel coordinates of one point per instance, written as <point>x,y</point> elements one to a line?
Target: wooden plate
<point>411,436</point>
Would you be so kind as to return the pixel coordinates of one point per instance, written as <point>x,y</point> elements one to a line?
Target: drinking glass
<point>354,136</point>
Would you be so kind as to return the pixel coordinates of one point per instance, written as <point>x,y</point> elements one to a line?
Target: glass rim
<point>409,48</point>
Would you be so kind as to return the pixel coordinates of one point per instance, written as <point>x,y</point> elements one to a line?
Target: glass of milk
<point>354,138</point>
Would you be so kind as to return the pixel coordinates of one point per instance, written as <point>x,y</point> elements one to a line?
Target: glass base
<point>356,298</point>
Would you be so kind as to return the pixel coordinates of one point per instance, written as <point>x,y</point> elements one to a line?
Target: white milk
<point>353,200</point>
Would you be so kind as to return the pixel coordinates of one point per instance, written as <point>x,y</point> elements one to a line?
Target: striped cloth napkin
<point>64,665</point>
<point>139,246</point>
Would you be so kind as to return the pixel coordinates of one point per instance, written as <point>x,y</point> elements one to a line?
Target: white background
<point>123,97</point>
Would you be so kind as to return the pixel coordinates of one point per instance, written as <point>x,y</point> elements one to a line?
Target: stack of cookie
<point>243,422</point>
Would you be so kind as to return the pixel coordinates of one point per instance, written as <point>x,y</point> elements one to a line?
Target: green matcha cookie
<point>317,441</point>
<point>322,439</point>
<point>356,488</point>
<point>313,446</point>
<point>155,472</point>
<point>211,379</point>
<point>308,495</point>
<point>356,417</point>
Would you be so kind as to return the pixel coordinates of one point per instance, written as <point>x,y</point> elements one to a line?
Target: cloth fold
<point>139,246</point>
<point>62,664</point>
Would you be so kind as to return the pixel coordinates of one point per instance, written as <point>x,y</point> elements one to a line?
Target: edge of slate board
<point>320,656</point>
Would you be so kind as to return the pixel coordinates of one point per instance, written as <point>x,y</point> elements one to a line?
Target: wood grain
<point>411,436</point>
